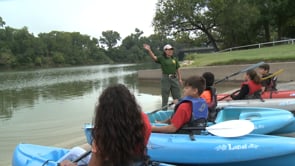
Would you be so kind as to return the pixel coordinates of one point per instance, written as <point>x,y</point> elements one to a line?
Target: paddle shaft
<point>226,96</point>
<point>194,128</point>
<point>204,128</point>
<point>241,71</point>
<point>82,156</point>
<point>161,108</point>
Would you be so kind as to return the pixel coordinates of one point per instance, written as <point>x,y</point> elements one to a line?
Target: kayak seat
<point>250,116</point>
<point>225,115</point>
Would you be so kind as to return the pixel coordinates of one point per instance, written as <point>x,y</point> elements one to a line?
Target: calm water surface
<point>50,106</point>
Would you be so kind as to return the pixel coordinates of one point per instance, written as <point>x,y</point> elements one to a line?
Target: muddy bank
<point>221,72</point>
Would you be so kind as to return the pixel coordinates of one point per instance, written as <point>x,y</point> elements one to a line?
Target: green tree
<point>192,16</point>
<point>266,17</point>
<point>289,30</point>
<point>38,61</point>
<point>6,58</point>
<point>283,14</point>
<point>2,23</point>
<point>131,47</point>
<point>58,58</point>
<point>236,22</point>
<point>275,17</point>
<point>110,38</point>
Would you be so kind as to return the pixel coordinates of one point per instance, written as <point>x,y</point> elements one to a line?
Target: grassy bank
<point>283,53</point>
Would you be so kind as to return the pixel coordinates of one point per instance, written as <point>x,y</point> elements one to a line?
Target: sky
<point>89,17</point>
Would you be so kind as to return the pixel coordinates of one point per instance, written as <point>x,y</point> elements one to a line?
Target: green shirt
<point>168,65</point>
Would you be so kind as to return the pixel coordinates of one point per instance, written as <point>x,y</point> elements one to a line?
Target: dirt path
<point>221,72</point>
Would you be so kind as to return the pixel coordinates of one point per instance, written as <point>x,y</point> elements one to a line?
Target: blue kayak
<point>288,129</point>
<point>266,120</point>
<point>37,155</point>
<point>207,149</point>
<point>252,149</point>
<point>33,155</point>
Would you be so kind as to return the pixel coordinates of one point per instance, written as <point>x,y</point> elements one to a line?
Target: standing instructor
<point>171,76</point>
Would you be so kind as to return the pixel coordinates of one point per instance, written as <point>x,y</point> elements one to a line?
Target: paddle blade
<point>231,128</point>
<point>273,74</point>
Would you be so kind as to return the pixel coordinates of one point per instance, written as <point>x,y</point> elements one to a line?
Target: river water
<point>50,106</point>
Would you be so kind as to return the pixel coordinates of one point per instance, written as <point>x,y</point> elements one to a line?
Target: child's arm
<point>164,129</point>
<point>167,121</point>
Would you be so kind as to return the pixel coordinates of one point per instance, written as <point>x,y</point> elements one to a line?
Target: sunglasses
<point>169,49</point>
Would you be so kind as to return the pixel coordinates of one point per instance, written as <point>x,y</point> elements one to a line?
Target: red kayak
<point>265,95</point>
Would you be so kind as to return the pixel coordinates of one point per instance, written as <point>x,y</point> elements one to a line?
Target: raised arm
<point>179,77</point>
<point>150,52</point>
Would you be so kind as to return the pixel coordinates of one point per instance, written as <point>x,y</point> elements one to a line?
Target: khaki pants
<point>169,85</point>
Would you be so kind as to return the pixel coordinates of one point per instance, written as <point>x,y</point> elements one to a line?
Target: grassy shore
<point>281,53</point>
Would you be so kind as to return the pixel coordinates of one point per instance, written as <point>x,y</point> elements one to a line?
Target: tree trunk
<point>266,31</point>
<point>211,39</point>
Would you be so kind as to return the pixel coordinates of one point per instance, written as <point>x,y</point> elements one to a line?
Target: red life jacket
<point>253,87</point>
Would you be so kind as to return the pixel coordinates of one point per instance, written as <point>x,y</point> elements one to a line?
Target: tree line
<point>184,24</point>
<point>21,49</point>
<point>226,23</point>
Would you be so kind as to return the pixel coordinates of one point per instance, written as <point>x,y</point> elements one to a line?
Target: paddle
<point>230,128</point>
<point>161,108</point>
<point>273,74</point>
<point>226,96</point>
<point>241,71</point>
<point>82,156</point>
<point>270,76</point>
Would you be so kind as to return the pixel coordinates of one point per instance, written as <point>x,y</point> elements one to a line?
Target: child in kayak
<point>191,111</point>
<point>121,130</point>
<point>270,83</point>
<point>250,88</point>
<point>210,95</point>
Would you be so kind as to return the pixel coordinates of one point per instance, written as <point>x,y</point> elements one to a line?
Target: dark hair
<point>196,82</point>
<point>264,66</point>
<point>118,127</point>
<point>253,76</point>
<point>209,77</point>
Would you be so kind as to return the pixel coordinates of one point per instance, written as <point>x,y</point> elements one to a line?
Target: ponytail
<point>254,76</point>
